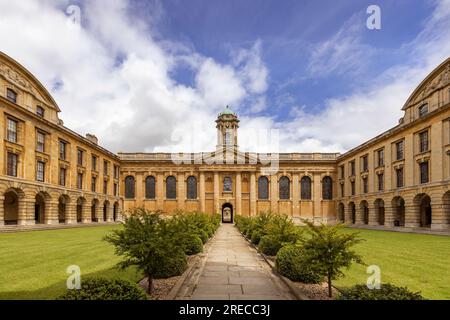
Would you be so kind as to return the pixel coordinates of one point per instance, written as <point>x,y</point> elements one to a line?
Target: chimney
<point>92,138</point>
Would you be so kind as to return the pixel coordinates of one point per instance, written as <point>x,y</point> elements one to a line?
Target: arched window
<point>171,188</point>
<point>327,188</point>
<point>227,184</point>
<point>150,189</point>
<point>129,187</point>
<point>263,188</point>
<point>306,188</point>
<point>192,188</point>
<point>285,190</point>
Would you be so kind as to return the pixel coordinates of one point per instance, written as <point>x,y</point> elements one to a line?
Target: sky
<point>152,76</point>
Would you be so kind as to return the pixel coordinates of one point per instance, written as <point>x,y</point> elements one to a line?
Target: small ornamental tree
<point>328,250</point>
<point>144,241</point>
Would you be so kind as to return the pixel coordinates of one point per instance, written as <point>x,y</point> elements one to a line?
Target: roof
<point>227,111</point>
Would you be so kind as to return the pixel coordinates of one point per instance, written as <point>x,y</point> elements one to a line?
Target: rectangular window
<point>399,150</point>
<point>115,189</point>
<point>352,184</point>
<point>116,172</point>
<point>80,157</point>
<point>62,150</point>
<point>62,176</point>
<point>105,187</point>
<point>40,111</point>
<point>423,110</point>
<point>11,95</point>
<point>93,184</point>
<point>365,185</point>
<point>40,171</point>
<point>352,168</point>
<point>380,182</point>
<point>399,173</point>
<point>342,190</point>
<point>12,131</point>
<point>40,142</point>
<point>380,158</point>
<point>342,172</point>
<point>80,181</point>
<point>365,163</point>
<point>94,163</point>
<point>424,176</point>
<point>423,141</point>
<point>105,168</point>
<point>13,160</point>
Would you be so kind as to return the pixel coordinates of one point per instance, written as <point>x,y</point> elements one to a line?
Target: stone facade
<point>38,150</point>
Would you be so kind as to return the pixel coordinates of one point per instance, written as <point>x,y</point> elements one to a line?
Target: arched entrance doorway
<point>105,211</point>
<point>379,211</point>
<point>364,207</point>
<point>227,213</point>
<point>352,209</point>
<point>11,207</point>
<point>62,208</point>
<point>80,206</point>
<point>425,212</point>
<point>115,211</point>
<point>398,206</point>
<point>39,209</point>
<point>94,207</point>
<point>341,212</point>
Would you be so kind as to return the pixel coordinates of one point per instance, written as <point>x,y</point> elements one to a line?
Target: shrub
<point>292,264</point>
<point>283,228</point>
<point>256,237</point>
<point>191,243</point>
<point>202,235</point>
<point>171,263</point>
<point>104,289</point>
<point>386,292</point>
<point>269,245</point>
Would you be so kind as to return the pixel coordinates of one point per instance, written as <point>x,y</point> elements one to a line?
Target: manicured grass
<point>418,261</point>
<point>33,264</point>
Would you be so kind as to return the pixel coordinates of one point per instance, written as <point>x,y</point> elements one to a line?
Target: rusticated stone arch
<point>364,212</point>
<point>341,212</point>
<point>352,212</point>
<point>398,210</point>
<point>422,213</point>
<point>12,197</point>
<point>379,211</point>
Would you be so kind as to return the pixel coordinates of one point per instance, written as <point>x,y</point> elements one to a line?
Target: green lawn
<point>418,261</point>
<point>33,264</point>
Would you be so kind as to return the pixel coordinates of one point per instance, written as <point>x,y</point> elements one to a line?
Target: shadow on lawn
<point>55,290</point>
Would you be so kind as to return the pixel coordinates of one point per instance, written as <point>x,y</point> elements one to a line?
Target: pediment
<point>437,79</point>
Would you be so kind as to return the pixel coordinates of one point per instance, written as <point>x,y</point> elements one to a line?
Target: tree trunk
<point>330,291</point>
<point>150,285</point>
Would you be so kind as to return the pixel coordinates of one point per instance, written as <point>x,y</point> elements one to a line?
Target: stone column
<point>389,216</point>
<point>99,212</point>
<point>216,192</point>
<point>181,192</point>
<point>2,210</point>
<point>71,212</point>
<point>160,191</point>
<point>373,215</point>
<point>238,194</point>
<point>412,215</point>
<point>295,195</point>
<point>439,221</point>
<point>109,213</point>
<point>86,212</point>
<point>252,194</point>
<point>51,212</point>
<point>274,193</point>
<point>202,192</point>
<point>359,215</point>
<point>317,196</point>
<point>26,211</point>
<point>348,214</point>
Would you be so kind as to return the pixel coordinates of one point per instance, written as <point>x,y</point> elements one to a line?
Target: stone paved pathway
<point>232,269</point>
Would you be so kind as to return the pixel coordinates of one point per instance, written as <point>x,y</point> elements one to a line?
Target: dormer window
<point>423,110</point>
<point>40,111</point>
<point>11,95</point>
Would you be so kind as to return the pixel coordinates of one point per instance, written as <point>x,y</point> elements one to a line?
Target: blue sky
<point>152,75</point>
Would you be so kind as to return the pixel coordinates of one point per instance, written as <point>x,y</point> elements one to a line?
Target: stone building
<point>50,174</point>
